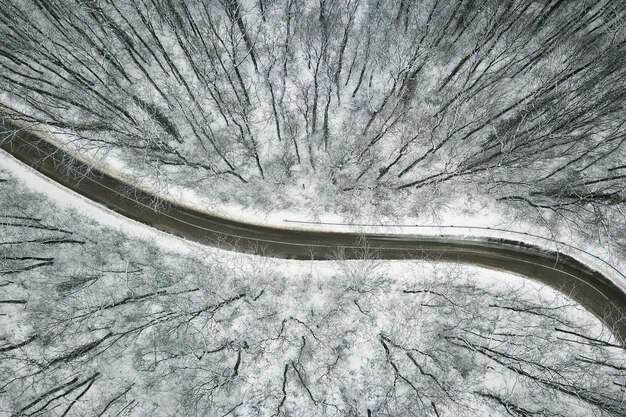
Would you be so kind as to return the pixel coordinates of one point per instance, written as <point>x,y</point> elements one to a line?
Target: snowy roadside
<point>483,223</point>
<point>406,271</point>
<point>477,232</point>
<point>67,199</point>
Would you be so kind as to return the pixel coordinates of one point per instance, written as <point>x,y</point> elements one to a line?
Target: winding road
<point>564,273</point>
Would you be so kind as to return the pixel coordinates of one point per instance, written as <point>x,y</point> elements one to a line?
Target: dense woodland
<point>519,101</point>
<point>96,323</point>
<point>522,99</point>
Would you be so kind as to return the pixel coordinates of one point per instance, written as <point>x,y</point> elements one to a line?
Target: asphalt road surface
<point>564,273</point>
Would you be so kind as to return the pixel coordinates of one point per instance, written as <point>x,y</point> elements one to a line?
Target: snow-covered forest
<point>361,109</point>
<point>394,104</point>
<point>96,323</point>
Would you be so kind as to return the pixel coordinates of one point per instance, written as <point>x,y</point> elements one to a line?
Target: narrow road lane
<point>564,273</point>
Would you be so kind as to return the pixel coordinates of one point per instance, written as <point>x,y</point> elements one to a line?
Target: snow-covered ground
<point>455,221</point>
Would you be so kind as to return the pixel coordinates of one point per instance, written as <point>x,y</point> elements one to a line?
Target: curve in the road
<point>587,286</point>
